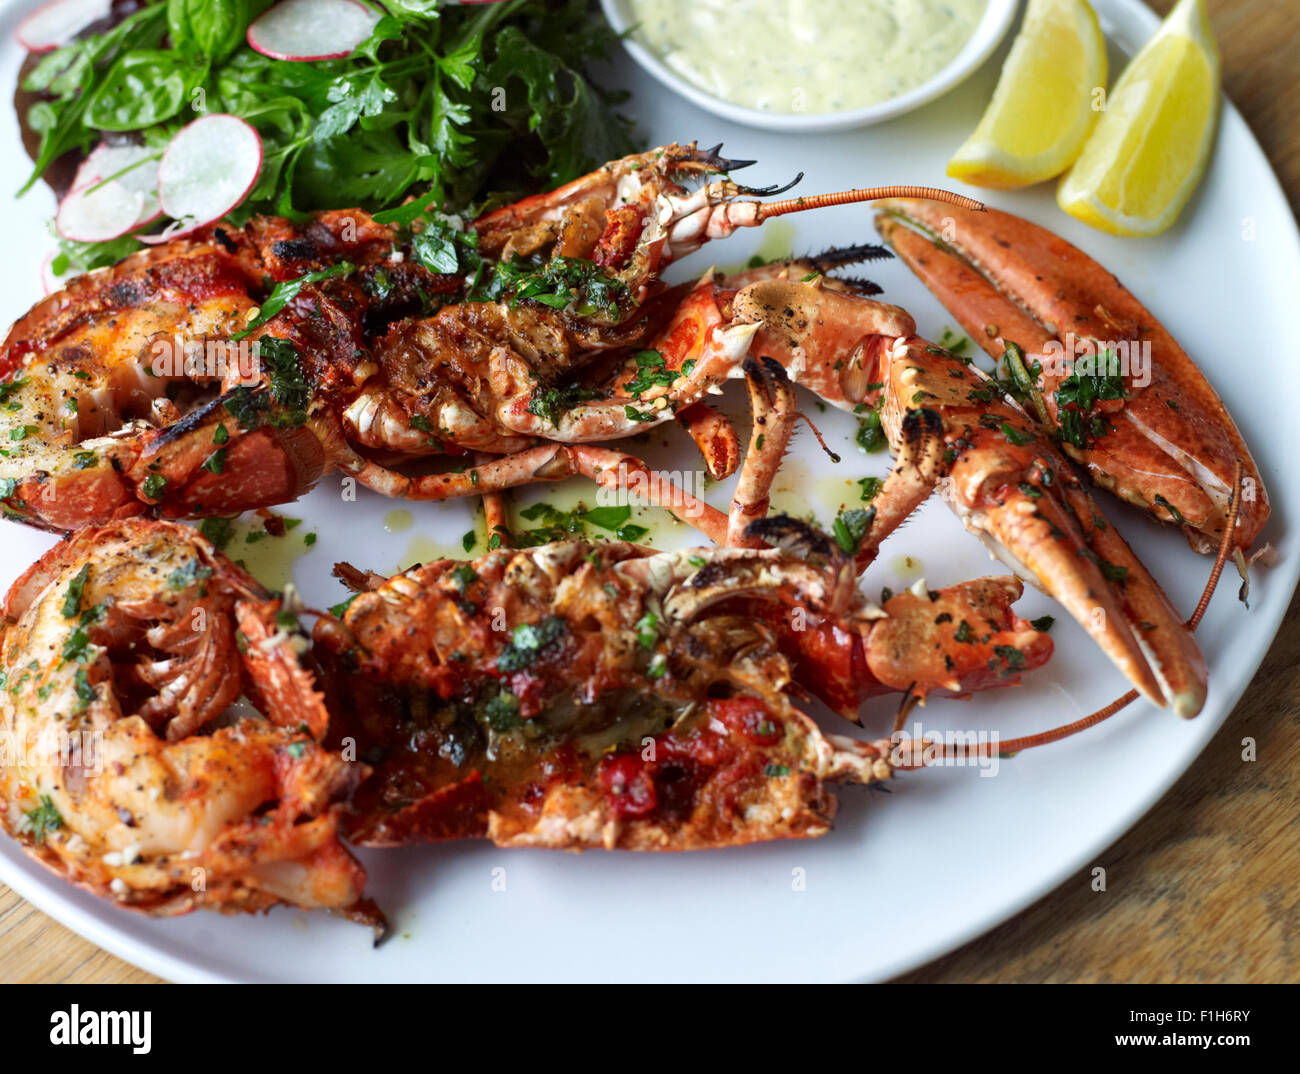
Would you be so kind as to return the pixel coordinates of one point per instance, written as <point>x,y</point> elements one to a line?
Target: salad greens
<point>473,104</point>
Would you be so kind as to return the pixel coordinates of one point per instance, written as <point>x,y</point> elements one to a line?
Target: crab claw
<point>1013,490</point>
<point>1138,413</point>
<point>959,640</point>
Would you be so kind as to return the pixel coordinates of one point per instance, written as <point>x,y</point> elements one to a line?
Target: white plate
<point>989,32</point>
<point>905,876</point>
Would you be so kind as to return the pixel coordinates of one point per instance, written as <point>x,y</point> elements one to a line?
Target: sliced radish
<point>131,166</point>
<point>206,170</point>
<point>312,29</point>
<point>58,22</point>
<point>97,213</point>
<point>49,280</point>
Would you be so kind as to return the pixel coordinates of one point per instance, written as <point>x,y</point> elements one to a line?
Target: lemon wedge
<point>1043,108</point>
<point>1150,148</point>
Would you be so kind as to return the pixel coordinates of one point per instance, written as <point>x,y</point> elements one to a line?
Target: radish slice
<point>95,213</point>
<point>206,170</point>
<point>131,166</point>
<point>51,282</point>
<point>58,22</point>
<point>312,29</point>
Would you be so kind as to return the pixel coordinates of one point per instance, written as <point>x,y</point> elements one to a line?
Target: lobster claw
<point>1012,489</point>
<point>1142,418</point>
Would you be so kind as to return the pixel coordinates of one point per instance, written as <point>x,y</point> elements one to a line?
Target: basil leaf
<point>144,87</point>
<point>213,28</point>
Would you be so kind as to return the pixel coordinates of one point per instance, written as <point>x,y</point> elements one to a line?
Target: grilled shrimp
<point>132,770</point>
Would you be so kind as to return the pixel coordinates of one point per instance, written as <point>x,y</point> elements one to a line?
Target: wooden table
<point>1205,887</point>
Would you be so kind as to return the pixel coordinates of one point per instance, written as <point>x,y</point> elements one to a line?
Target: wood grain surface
<point>1207,886</point>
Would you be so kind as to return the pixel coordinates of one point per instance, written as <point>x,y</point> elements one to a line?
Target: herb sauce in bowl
<point>830,61</point>
<point>805,55</point>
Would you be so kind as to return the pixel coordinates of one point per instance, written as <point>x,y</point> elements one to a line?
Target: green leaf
<point>365,168</point>
<point>43,819</point>
<point>608,518</point>
<point>72,599</point>
<point>563,110</point>
<point>285,292</point>
<point>459,65</point>
<point>213,28</point>
<point>143,88</point>
<point>351,103</point>
<point>851,527</point>
<point>218,530</point>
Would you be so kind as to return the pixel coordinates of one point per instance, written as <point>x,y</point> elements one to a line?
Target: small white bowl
<point>988,35</point>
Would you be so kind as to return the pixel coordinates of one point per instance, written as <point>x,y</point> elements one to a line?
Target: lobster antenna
<point>1058,733</point>
<point>1229,531</point>
<point>874,193</point>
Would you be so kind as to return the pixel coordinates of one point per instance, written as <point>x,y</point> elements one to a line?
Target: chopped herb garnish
<point>216,462</point>
<point>871,436</point>
<point>502,711</point>
<point>284,293</point>
<point>1174,513</point>
<point>550,403</point>
<point>647,630</point>
<point>528,640</point>
<point>342,606</point>
<point>1013,659</point>
<point>608,518</point>
<point>85,690</point>
<point>871,487</point>
<point>288,386</point>
<point>191,574</point>
<point>44,818</point>
<point>851,527</point>
<point>72,599</point>
<point>217,530</point>
<point>1017,436</point>
<point>463,576</point>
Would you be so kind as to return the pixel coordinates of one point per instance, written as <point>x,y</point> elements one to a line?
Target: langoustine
<point>571,695</point>
<point>364,359</point>
<point>131,770</point>
<point>601,695</point>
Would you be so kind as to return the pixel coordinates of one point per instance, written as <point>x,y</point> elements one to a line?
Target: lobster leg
<point>1154,433</point>
<point>771,399</point>
<point>1010,487</point>
<point>614,469</point>
<point>916,471</point>
<point>494,507</point>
